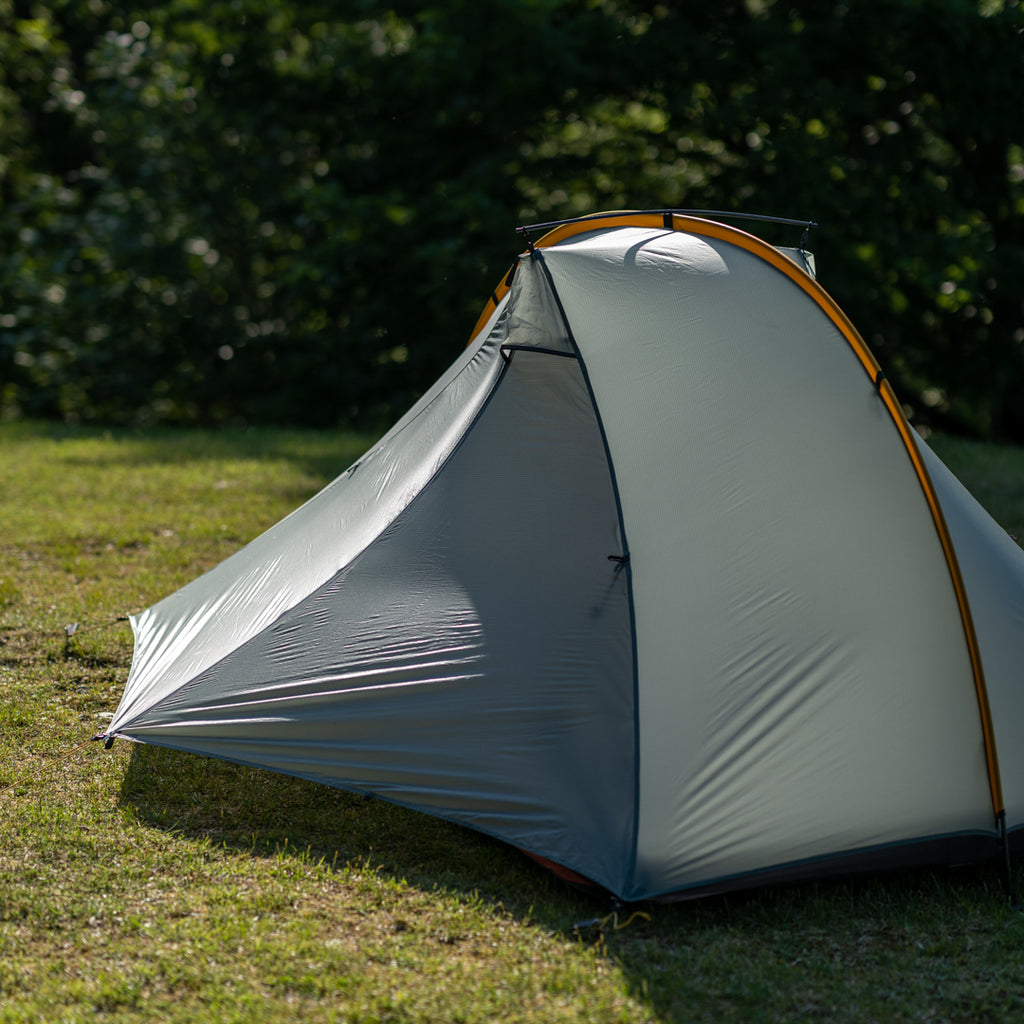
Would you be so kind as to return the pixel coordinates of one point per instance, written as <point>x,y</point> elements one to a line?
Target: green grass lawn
<point>139,884</point>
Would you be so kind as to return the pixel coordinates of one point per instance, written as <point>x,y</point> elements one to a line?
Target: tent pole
<point>1005,866</point>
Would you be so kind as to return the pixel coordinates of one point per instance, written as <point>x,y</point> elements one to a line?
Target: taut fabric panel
<point>992,566</point>
<point>532,318</point>
<point>804,682</point>
<point>198,625</point>
<point>475,661</point>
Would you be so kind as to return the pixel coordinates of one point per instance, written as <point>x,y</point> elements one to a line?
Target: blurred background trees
<point>237,211</point>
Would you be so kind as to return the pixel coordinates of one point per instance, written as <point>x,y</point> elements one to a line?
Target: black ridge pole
<point>723,214</point>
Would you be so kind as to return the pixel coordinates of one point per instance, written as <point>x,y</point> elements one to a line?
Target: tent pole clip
<point>620,561</point>
<point>879,377</point>
<point>525,232</point>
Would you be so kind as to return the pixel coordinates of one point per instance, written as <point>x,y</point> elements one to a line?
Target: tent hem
<point>949,850</point>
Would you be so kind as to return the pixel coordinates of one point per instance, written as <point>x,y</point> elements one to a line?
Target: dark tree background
<point>227,211</point>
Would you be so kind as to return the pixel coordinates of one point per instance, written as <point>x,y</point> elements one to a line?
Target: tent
<point>656,583</point>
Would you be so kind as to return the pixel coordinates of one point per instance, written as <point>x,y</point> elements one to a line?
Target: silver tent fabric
<point>992,564</point>
<point>470,659</point>
<point>203,622</point>
<point>804,682</point>
<point>647,585</point>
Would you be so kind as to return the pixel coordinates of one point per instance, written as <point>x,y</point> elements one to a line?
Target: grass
<point>139,884</point>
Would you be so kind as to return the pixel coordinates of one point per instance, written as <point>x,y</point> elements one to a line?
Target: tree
<point>242,211</point>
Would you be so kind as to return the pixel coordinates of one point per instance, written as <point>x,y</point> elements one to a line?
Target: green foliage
<point>255,212</point>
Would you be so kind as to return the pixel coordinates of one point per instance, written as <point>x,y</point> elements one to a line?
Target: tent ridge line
<point>668,212</point>
<point>557,230</point>
<point>624,564</point>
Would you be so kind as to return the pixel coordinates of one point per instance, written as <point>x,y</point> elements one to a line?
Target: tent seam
<point>625,562</point>
<point>742,879</point>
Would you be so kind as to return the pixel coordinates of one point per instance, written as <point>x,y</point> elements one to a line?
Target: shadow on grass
<point>320,453</point>
<point>269,814</point>
<point>755,955</point>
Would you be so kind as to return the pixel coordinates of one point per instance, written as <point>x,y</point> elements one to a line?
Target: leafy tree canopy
<point>242,211</point>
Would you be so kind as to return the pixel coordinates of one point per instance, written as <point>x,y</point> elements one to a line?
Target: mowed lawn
<point>143,885</point>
